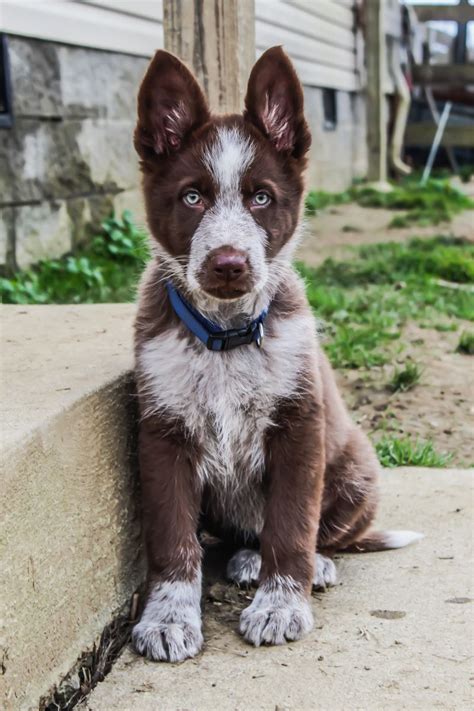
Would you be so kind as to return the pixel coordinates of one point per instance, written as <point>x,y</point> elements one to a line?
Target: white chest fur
<point>227,401</point>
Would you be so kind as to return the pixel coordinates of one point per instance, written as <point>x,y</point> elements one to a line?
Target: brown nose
<point>229,266</point>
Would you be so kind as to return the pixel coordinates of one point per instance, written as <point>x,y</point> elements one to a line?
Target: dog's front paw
<point>170,626</point>
<point>167,642</point>
<point>279,612</point>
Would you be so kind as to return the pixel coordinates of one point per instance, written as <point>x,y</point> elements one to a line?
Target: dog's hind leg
<point>351,495</point>
<point>350,502</point>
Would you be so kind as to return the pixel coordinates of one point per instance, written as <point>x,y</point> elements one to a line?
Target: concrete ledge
<point>69,529</point>
<point>394,634</point>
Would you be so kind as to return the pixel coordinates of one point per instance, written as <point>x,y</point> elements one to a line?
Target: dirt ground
<point>441,406</point>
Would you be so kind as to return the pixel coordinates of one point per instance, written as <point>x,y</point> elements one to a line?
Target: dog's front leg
<point>170,626</point>
<point>295,467</point>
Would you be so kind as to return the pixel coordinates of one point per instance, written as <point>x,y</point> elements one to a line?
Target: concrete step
<point>69,529</point>
<point>396,633</point>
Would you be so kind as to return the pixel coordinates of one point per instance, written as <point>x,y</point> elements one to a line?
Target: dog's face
<point>222,194</point>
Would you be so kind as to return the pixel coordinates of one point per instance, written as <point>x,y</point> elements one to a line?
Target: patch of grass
<point>366,301</point>
<point>351,228</point>
<point>446,327</point>
<point>430,204</point>
<point>319,199</point>
<point>466,343</point>
<point>405,451</point>
<point>404,379</point>
<point>107,270</point>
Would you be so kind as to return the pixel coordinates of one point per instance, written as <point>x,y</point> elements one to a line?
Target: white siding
<point>318,34</point>
<point>103,24</point>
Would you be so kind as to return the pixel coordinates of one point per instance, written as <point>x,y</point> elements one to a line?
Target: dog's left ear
<point>275,103</point>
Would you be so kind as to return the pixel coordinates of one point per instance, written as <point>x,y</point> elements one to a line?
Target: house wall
<point>68,160</point>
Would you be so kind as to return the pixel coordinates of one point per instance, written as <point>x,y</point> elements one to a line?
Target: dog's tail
<point>383,541</point>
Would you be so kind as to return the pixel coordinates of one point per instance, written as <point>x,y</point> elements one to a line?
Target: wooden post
<point>376,102</point>
<point>216,39</point>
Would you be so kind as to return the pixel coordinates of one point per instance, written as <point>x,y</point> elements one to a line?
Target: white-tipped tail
<point>383,541</point>
<point>400,539</point>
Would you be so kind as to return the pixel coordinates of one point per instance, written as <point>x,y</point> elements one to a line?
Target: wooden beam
<point>422,134</point>
<point>376,103</point>
<point>216,38</point>
<point>451,74</point>
<point>453,13</point>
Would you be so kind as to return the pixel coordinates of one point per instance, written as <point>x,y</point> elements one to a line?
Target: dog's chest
<point>226,400</point>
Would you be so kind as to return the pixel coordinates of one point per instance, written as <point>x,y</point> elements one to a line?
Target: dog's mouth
<point>226,292</point>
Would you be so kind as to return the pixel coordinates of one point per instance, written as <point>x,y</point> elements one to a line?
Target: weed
<point>398,452</point>
<point>446,327</point>
<point>466,343</point>
<point>319,199</point>
<point>406,378</point>
<point>107,270</point>
<point>351,228</point>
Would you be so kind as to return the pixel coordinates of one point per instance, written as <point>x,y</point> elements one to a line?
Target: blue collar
<point>213,337</point>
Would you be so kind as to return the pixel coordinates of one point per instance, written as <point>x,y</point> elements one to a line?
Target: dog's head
<point>223,194</point>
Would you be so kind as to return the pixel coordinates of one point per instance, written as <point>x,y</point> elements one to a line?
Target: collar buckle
<point>233,338</point>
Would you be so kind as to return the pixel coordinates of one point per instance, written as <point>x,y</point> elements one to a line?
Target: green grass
<point>405,451</point>
<point>366,301</point>
<point>437,201</point>
<point>406,378</point>
<point>107,270</point>
<point>466,343</point>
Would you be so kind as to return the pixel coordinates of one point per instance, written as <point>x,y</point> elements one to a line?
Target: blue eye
<point>192,198</point>
<point>261,199</point>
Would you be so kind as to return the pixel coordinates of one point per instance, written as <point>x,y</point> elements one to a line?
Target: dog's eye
<point>192,198</point>
<point>261,199</point>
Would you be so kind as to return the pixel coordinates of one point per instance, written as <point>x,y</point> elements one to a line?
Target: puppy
<point>242,429</point>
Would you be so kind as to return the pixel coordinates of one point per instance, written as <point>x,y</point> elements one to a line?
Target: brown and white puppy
<point>253,443</point>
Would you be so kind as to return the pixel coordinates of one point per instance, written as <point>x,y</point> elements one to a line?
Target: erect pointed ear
<point>275,103</point>
<point>170,105</point>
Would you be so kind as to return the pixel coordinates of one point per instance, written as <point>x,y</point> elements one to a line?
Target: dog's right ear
<point>170,105</point>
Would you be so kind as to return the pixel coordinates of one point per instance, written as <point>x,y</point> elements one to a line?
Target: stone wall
<point>69,161</point>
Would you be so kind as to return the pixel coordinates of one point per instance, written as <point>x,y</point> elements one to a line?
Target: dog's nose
<point>229,266</point>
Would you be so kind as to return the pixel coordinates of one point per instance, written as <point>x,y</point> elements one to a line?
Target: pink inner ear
<point>277,124</point>
<point>176,123</point>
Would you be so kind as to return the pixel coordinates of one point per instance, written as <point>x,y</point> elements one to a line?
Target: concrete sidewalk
<point>396,633</point>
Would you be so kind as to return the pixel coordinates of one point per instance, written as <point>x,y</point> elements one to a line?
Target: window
<point>329,109</point>
<point>5,85</point>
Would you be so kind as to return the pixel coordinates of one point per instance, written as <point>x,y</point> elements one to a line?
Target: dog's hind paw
<point>244,567</point>
<point>325,572</point>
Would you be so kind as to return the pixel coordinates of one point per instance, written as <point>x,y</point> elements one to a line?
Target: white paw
<point>325,572</point>
<point>170,627</point>
<point>244,567</point>
<point>167,642</point>
<point>279,612</point>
